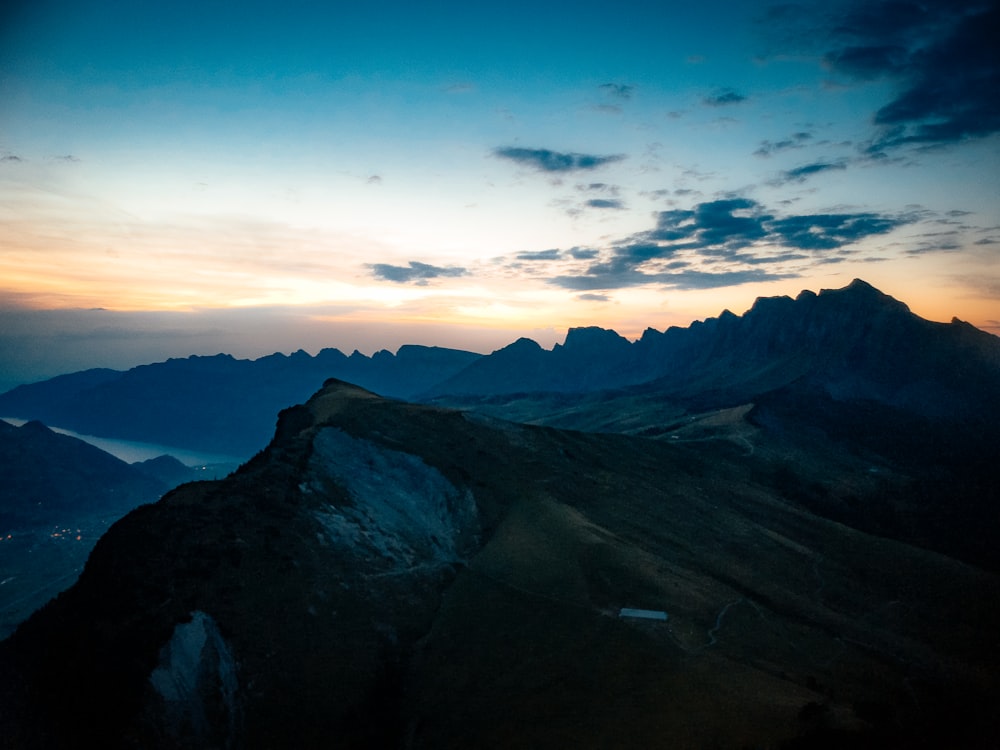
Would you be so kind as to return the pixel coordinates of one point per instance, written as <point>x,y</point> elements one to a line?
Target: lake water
<point>131,451</point>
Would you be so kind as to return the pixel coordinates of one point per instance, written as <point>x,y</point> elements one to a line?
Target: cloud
<point>583,253</point>
<point>617,90</point>
<point>599,187</point>
<point>554,161</point>
<point>11,158</point>
<point>724,98</point>
<point>728,222</point>
<point>415,272</point>
<point>605,203</point>
<point>726,242</point>
<point>801,174</point>
<point>540,255</point>
<point>374,180</point>
<point>795,141</point>
<point>943,59</point>
<point>832,231</point>
<point>593,297</point>
<point>671,279</point>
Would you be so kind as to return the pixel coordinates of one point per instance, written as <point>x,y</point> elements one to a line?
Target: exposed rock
<point>196,687</point>
<point>392,575</point>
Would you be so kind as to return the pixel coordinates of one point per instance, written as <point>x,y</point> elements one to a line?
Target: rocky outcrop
<point>394,575</point>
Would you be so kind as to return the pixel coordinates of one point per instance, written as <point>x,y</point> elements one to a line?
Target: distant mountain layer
<point>48,477</point>
<point>218,404</point>
<point>850,344</point>
<point>389,575</point>
<point>854,343</point>
<point>59,494</point>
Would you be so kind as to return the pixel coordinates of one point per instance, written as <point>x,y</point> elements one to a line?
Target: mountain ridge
<point>217,404</point>
<point>813,331</point>
<point>402,575</point>
<point>854,342</point>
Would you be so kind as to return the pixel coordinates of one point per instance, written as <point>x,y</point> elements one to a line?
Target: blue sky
<point>199,177</point>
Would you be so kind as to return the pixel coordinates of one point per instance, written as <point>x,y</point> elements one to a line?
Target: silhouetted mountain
<point>394,575</point>
<point>218,404</point>
<point>853,343</point>
<point>168,470</point>
<point>851,374</point>
<point>57,496</point>
<point>47,476</point>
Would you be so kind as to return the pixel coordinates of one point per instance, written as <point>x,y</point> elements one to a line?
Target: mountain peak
<point>591,336</point>
<point>36,427</point>
<point>862,294</point>
<point>523,344</point>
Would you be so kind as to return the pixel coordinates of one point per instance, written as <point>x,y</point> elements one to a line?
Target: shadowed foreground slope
<point>392,575</point>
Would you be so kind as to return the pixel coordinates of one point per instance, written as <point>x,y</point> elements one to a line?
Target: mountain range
<point>768,530</point>
<point>218,404</point>
<point>852,343</point>
<point>58,496</point>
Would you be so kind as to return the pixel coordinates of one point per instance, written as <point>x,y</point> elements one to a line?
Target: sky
<point>199,177</point>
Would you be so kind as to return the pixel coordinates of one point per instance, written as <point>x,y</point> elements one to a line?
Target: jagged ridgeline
<point>851,344</point>
<point>396,575</point>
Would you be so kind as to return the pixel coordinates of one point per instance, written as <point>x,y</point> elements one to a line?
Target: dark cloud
<point>10,157</point>
<point>867,63</point>
<point>374,180</point>
<point>728,223</point>
<point>617,90</point>
<point>594,297</point>
<point>540,255</point>
<point>831,231</point>
<point>943,58</point>
<point>554,161</point>
<point>795,141</point>
<point>954,90</point>
<point>414,272</point>
<point>605,203</point>
<point>670,279</point>
<point>598,187</point>
<point>583,253</point>
<point>801,174</point>
<point>737,234</point>
<point>724,98</point>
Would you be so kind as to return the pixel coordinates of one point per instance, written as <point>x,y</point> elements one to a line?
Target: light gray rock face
<point>197,682</point>
<point>402,514</point>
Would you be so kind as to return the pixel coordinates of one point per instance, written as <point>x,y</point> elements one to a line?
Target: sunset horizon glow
<point>203,178</point>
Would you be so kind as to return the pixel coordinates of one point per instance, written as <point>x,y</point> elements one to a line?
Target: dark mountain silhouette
<point>853,343</point>
<point>218,404</point>
<point>58,494</point>
<point>168,470</point>
<point>395,575</point>
<point>845,375</point>
<point>47,476</point>
<point>849,344</point>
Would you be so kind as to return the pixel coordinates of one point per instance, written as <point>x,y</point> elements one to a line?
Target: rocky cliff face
<point>393,575</point>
